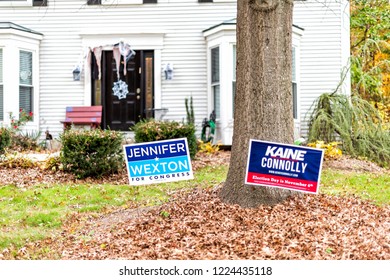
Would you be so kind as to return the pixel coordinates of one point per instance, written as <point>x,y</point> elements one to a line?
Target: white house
<point>43,42</point>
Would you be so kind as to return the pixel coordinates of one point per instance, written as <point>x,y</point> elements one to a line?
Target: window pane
<point>25,99</point>
<point>217,100</point>
<point>25,66</point>
<point>1,103</point>
<point>215,65</point>
<point>149,82</point>
<point>234,62</point>
<point>294,77</point>
<point>295,100</point>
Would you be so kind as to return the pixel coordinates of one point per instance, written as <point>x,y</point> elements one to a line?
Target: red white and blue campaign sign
<point>285,166</point>
<point>158,162</point>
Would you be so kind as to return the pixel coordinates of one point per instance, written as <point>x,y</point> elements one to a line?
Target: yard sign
<point>158,162</point>
<point>285,166</point>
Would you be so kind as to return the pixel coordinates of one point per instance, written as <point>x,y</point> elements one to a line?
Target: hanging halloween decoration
<point>117,56</point>
<point>127,53</point>
<point>119,50</point>
<point>120,89</point>
<point>97,51</point>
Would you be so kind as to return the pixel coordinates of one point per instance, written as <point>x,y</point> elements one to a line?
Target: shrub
<point>25,141</point>
<point>208,147</point>
<point>52,163</point>
<point>153,130</point>
<point>91,153</point>
<point>18,161</point>
<point>352,121</point>
<point>331,150</point>
<point>5,139</point>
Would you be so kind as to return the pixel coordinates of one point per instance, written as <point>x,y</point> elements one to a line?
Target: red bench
<point>83,115</point>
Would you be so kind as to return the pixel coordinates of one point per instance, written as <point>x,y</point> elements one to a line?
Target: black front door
<point>122,92</point>
<point>127,97</point>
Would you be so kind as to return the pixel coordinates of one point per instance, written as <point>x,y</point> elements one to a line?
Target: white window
<point>1,87</point>
<point>234,77</point>
<point>215,81</point>
<point>26,89</point>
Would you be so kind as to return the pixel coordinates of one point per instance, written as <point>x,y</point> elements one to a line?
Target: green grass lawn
<point>370,186</point>
<point>30,214</point>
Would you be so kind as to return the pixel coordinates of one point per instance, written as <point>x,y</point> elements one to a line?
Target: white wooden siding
<point>63,21</point>
<point>324,48</point>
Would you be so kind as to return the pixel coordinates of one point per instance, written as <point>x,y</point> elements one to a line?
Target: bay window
<point>19,69</point>
<point>25,81</point>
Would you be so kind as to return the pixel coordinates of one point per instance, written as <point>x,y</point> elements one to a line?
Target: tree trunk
<point>263,101</point>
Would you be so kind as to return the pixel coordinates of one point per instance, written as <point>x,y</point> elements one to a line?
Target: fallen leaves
<point>200,226</point>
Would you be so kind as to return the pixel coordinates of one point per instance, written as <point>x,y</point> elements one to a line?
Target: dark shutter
<point>40,2</point>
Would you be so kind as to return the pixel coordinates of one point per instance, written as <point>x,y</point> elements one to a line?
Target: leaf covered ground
<point>197,225</point>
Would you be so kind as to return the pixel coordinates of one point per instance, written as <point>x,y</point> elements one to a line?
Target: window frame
<point>29,86</point>
<point>215,81</point>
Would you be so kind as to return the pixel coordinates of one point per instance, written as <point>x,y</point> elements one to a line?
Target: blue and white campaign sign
<point>285,166</point>
<point>158,162</point>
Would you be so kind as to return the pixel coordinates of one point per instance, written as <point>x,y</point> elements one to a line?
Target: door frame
<point>138,40</point>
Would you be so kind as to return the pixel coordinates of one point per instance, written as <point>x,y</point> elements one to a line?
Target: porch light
<point>76,74</point>
<point>168,71</point>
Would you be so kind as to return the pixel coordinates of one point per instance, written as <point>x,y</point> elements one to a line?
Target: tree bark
<point>263,101</point>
